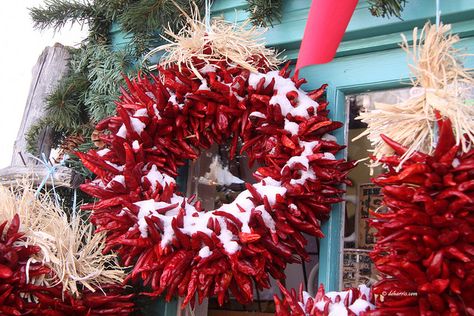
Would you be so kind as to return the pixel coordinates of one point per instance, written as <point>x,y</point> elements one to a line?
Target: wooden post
<point>51,66</point>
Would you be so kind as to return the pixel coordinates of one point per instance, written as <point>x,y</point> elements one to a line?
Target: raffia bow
<point>441,84</point>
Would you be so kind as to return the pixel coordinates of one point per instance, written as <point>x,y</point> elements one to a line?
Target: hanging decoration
<point>351,302</point>
<point>323,32</point>
<point>205,92</point>
<point>440,84</point>
<point>425,239</point>
<point>50,266</point>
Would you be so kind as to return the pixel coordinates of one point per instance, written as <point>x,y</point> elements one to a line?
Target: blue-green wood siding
<point>368,58</point>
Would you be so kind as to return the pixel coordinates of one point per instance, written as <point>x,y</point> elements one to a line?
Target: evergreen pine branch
<point>65,105</point>
<point>145,19</point>
<point>386,8</point>
<point>101,105</point>
<point>105,72</point>
<point>148,15</point>
<point>32,136</point>
<point>264,12</point>
<point>113,8</point>
<point>56,14</point>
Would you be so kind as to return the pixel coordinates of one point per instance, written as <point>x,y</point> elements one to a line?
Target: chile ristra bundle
<point>425,239</point>
<point>352,302</point>
<point>23,292</point>
<point>175,246</point>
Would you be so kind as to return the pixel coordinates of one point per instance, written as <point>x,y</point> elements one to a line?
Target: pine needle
<point>264,12</point>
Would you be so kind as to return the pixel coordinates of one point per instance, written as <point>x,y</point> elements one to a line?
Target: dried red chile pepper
<point>179,249</point>
<point>425,239</point>
<point>21,296</point>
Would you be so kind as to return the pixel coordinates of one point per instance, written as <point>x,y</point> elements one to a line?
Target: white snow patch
<point>364,290</point>
<point>303,160</point>
<point>119,168</point>
<point>329,156</point>
<point>339,309</point>
<point>157,112</point>
<point>282,87</point>
<point>155,176</point>
<point>193,224</point>
<point>333,295</point>
<point>226,237</point>
<point>267,218</point>
<point>208,68</point>
<point>298,159</point>
<point>320,305</point>
<point>103,152</point>
<point>305,175</point>
<point>456,163</point>
<point>205,252</point>
<point>135,145</point>
<point>360,305</point>
<point>172,99</point>
<point>122,132</point>
<point>138,126</point>
<point>329,137</point>
<point>118,178</point>
<point>141,113</point>
<point>151,95</point>
<point>291,127</point>
<point>270,188</point>
<point>203,85</point>
<point>306,296</point>
<point>257,114</point>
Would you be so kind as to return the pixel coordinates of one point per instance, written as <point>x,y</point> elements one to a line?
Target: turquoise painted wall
<point>369,58</point>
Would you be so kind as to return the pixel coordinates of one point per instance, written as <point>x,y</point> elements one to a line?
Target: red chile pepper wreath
<point>174,245</point>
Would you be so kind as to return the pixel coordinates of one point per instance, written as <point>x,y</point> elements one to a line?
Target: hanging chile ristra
<point>425,239</point>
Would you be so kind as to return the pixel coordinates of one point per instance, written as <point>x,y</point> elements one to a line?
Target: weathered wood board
<point>49,69</point>
<point>35,174</point>
<point>51,66</point>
